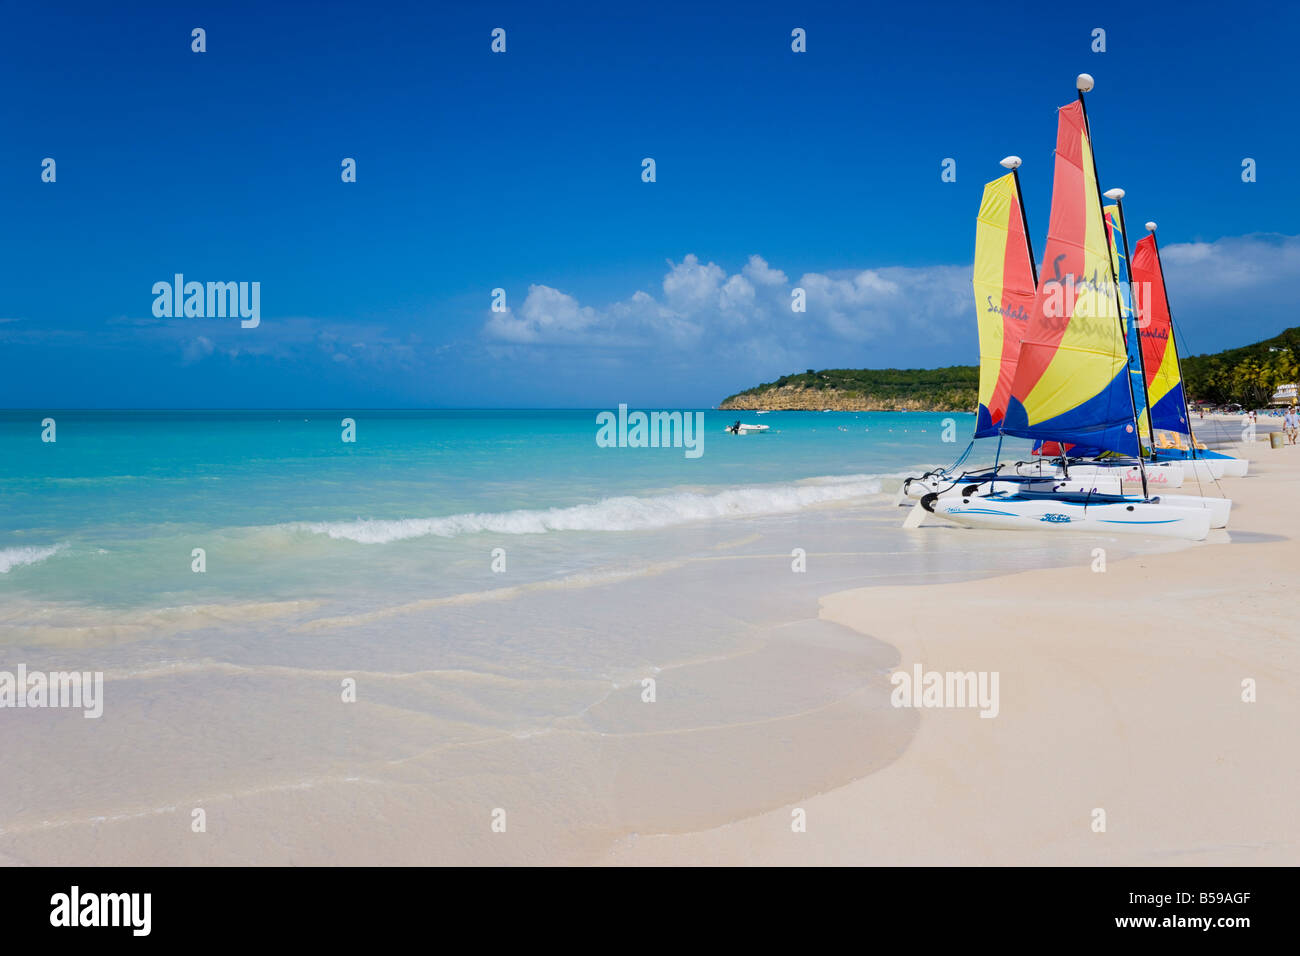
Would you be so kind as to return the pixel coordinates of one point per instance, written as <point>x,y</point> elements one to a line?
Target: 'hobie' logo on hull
<point>652,430</point>
<point>192,300</point>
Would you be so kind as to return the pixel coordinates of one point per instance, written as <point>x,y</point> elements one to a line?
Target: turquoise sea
<point>495,588</point>
<point>110,513</point>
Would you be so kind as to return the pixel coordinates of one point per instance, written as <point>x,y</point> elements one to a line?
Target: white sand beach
<point>1119,690</point>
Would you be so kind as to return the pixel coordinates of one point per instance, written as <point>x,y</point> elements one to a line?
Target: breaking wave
<point>625,513</point>
<point>16,557</point>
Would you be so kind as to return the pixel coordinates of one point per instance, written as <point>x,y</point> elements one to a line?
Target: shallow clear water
<point>110,513</point>
<point>477,688</point>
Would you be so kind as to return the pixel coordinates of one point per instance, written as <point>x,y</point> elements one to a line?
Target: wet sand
<point>1120,692</point>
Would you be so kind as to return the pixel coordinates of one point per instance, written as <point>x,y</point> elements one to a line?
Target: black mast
<point>1024,218</point>
<point>1173,340</point>
<point>1013,163</point>
<point>1118,196</point>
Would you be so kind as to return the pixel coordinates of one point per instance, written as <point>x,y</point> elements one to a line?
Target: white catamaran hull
<point>1233,467</point>
<point>918,488</point>
<point>1160,475</point>
<point>1204,469</point>
<point>1219,508</point>
<point>1045,513</point>
<point>1212,469</point>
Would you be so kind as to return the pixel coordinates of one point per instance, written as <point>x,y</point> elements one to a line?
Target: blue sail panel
<point>1169,413</point>
<point>1104,421</point>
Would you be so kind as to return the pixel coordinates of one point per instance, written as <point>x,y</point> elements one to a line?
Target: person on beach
<point>1291,422</point>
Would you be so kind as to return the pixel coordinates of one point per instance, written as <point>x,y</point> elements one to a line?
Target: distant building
<point>1285,394</point>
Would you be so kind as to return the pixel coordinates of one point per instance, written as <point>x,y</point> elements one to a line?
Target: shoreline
<point>1145,722</point>
<point>763,700</point>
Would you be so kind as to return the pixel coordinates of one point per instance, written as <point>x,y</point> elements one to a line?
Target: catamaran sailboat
<point>1069,381</point>
<point>1170,415</point>
<point>1175,454</point>
<point>1005,279</point>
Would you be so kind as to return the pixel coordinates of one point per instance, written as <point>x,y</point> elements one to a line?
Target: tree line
<point>1246,376</point>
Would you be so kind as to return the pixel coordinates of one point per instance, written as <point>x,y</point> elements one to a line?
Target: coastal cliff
<point>950,389</point>
<point>789,398</point>
<point>1250,375</point>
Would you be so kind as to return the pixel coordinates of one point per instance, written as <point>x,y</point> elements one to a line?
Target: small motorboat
<point>740,428</point>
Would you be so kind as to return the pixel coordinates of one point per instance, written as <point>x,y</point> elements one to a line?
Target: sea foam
<point>624,513</point>
<point>16,557</point>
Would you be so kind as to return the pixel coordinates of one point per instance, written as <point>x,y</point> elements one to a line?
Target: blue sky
<point>522,171</point>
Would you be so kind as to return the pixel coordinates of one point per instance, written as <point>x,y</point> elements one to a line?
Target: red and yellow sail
<point>1116,236</point>
<point>1159,352</point>
<point>1071,381</point>
<point>1004,293</point>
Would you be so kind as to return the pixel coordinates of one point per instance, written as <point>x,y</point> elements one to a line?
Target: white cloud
<point>690,287</point>
<point>760,273</point>
<point>197,350</point>
<point>288,338</point>
<point>1232,291</point>
<point>1232,263</point>
<point>547,315</point>
<point>748,312</point>
<point>1227,292</point>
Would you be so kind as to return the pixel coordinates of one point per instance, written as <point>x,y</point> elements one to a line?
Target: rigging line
<point>958,463</point>
<point>1180,342</point>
